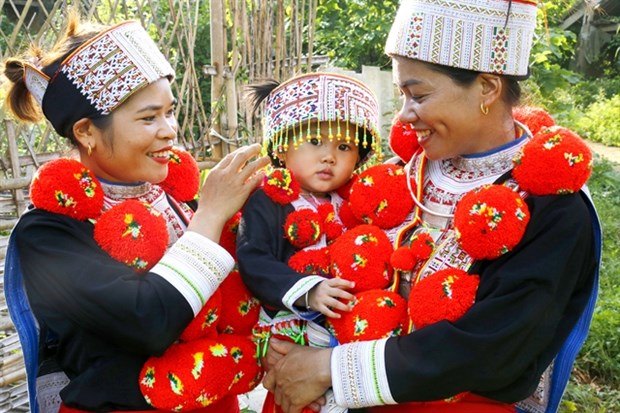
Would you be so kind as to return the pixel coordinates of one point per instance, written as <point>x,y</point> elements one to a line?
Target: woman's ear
<point>83,131</point>
<point>491,88</point>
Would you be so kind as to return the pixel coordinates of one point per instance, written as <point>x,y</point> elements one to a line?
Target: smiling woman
<point>119,251</point>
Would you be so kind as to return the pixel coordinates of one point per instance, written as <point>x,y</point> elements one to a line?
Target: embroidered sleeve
<point>299,288</point>
<point>358,372</point>
<point>195,266</point>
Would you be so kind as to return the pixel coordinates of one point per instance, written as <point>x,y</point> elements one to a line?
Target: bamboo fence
<point>246,40</point>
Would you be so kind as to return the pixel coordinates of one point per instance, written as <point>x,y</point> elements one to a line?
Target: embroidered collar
<point>118,191</point>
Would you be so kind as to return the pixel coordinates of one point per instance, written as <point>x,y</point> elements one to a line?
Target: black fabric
<point>107,318</point>
<point>263,251</point>
<point>526,305</point>
<point>63,105</point>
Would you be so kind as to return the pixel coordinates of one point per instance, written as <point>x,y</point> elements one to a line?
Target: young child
<point>320,127</point>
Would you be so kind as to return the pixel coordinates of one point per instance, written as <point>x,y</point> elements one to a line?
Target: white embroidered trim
<point>297,290</point>
<point>195,266</point>
<point>358,372</point>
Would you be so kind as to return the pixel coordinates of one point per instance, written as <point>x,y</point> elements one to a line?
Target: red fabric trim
<point>470,403</point>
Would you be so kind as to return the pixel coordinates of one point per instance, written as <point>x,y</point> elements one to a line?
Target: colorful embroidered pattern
<point>468,34</point>
<point>112,66</point>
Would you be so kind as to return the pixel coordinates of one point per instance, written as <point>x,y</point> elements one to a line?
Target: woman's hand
<point>226,189</point>
<point>298,375</point>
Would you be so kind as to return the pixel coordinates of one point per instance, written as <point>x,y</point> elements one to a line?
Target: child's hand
<point>330,295</point>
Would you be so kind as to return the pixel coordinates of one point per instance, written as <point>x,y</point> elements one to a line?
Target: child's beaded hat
<point>294,109</point>
<point>490,36</point>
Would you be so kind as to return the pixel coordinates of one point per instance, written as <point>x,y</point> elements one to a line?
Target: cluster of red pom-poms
<point>490,220</point>
<point>189,375</point>
<point>555,161</point>
<point>281,186</point>
<point>444,295</point>
<point>241,309</point>
<point>134,233</point>
<point>375,314</point>
<point>403,140</point>
<point>329,222</point>
<point>362,254</point>
<point>405,258</point>
<point>380,196</point>
<point>216,356</point>
<point>66,187</point>
<point>183,179</point>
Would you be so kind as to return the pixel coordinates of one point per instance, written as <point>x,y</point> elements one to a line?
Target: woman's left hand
<point>298,375</point>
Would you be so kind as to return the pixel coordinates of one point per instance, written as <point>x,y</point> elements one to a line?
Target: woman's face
<point>321,165</point>
<point>443,113</point>
<point>135,147</point>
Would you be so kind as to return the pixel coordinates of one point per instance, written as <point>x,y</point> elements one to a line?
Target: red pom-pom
<point>348,219</point>
<point>66,187</point>
<point>315,261</point>
<point>205,323</point>
<point>188,375</point>
<point>380,196</point>
<point>183,179</point>
<point>422,245</point>
<point>362,254</point>
<point>280,185</point>
<point>375,314</point>
<point>402,259</point>
<point>444,295</point>
<point>555,161</point>
<point>134,233</point>
<point>490,220</point>
<point>403,140</point>
<point>240,310</point>
<point>533,117</point>
<point>228,239</point>
<point>331,226</point>
<point>303,228</point>
<point>345,189</point>
<point>248,371</point>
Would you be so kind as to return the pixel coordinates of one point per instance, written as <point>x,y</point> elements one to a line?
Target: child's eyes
<point>344,147</point>
<point>315,141</point>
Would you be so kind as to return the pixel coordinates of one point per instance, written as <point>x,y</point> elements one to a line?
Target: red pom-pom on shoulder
<point>65,186</point>
<point>280,185</point>
<point>556,161</point>
<point>133,233</point>
<point>534,118</point>
<point>183,179</point>
<point>331,226</point>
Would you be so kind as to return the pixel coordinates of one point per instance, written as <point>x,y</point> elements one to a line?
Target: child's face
<point>322,166</point>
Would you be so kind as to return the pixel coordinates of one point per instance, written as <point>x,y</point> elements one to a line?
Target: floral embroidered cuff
<point>359,378</point>
<point>195,266</point>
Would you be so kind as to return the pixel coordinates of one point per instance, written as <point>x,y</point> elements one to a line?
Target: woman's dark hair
<point>464,77</point>
<point>19,100</point>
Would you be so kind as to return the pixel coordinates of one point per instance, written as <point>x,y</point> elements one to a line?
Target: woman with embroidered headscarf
<point>497,205</point>
<point>116,257</point>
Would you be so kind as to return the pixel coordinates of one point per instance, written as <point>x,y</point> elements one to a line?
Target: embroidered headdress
<point>491,36</point>
<point>297,104</point>
<point>98,76</point>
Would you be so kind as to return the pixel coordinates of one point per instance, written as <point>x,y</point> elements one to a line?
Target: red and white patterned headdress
<point>491,36</point>
<point>300,102</point>
<point>98,76</point>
